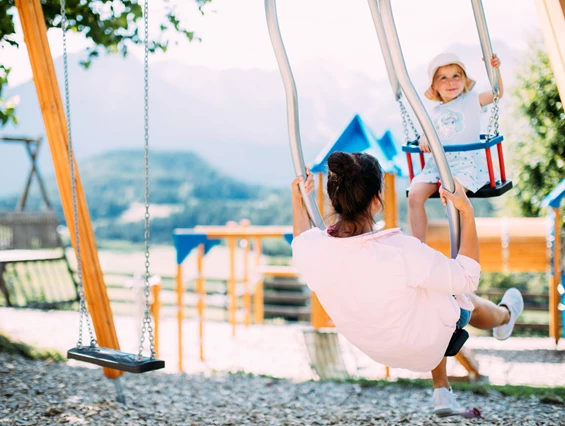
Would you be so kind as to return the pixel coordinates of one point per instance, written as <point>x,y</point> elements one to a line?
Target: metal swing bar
<point>384,10</point>
<point>322,345</point>
<point>494,188</point>
<point>383,20</point>
<point>94,354</point>
<point>291,110</point>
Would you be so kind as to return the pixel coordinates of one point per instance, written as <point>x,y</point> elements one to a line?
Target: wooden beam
<point>320,318</point>
<point>321,196</point>
<point>180,312</point>
<point>35,36</point>
<point>551,14</point>
<point>526,238</point>
<point>201,292</point>
<point>390,213</point>
<point>555,279</point>
<point>155,312</point>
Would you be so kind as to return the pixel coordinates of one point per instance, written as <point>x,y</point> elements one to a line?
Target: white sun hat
<point>442,60</point>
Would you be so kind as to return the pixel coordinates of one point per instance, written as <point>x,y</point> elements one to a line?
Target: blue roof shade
<point>186,240</point>
<point>358,137</point>
<point>554,198</point>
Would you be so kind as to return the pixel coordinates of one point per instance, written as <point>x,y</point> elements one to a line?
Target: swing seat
<point>325,354</point>
<point>485,192</point>
<point>115,359</point>
<point>494,188</point>
<point>458,339</point>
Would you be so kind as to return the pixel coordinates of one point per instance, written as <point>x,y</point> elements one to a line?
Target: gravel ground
<point>46,393</point>
<point>280,350</point>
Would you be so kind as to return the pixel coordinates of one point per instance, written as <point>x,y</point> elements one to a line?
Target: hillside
<point>185,191</point>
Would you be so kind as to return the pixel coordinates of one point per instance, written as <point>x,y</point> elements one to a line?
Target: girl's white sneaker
<point>514,301</point>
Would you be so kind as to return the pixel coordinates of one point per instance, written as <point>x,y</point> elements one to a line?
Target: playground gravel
<point>42,393</point>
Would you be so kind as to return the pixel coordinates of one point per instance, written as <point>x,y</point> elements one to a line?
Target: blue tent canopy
<point>358,137</point>
<point>554,198</point>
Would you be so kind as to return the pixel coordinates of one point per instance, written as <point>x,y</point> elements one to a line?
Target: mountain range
<point>235,119</point>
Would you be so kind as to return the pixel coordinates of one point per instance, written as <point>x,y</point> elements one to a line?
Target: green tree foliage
<point>111,26</point>
<point>538,151</point>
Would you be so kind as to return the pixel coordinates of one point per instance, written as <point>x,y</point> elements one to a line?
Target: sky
<point>234,33</point>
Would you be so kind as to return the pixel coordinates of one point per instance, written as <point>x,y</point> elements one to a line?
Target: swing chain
<point>83,312</point>
<point>146,327</point>
<point>406,121</point>
<point>493,119</point>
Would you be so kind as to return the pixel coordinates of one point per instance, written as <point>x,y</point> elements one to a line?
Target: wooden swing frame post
<point>555,279</point>
<point>47,87</point>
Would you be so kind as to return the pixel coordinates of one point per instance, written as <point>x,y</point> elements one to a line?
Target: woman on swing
<point>389,294</point>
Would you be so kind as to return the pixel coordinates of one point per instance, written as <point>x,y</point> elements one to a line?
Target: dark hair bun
<point>353,182</point>
<point>342,163</point>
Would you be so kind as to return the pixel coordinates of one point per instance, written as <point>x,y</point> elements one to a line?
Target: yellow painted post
<point>320,318</point>
<point>232,296</point>
<point>321,198</point>
<point>258,251</point>
<point>390,213</point>
<point>390,216</point>
<point>555,279</point>
<point>201,292</point>
<point>247,291</point>
<point>180,308</point>
<point>259,312</point>
<point>155,310</point>
<point>47,87</point>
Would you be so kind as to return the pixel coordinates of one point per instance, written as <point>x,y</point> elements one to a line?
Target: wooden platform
<point>507,244</point>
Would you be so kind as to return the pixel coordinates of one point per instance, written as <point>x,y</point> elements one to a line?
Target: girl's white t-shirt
<point>458,122</point>
<point>387,293</point>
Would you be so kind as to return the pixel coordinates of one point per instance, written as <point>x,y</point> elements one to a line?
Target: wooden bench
<point>34,269</point>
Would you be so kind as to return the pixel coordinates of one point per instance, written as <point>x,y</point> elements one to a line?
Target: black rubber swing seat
<point>457,341</point>
<point>115,359</point>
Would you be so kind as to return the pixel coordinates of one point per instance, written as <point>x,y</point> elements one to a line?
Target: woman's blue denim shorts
<point>464,318</point>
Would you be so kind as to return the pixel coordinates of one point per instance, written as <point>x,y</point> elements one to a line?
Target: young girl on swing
<point>457,121</point>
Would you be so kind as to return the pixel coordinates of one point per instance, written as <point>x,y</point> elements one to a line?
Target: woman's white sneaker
<point>445,403</point>
<point>513,300</point>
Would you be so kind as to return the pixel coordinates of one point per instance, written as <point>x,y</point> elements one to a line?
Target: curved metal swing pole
<point>291,109</point>
<point>385,50</point>
<point>438,153</point>
<point>392,77</point>
<point>486,46</point>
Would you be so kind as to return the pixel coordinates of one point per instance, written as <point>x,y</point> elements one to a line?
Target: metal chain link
<point>147,326</point>
<point>84,315</point>
<point>407,121</point>
<point>493,119</point>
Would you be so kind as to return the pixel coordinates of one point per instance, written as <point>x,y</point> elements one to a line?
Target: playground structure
<point>32,147</point>
<point>34,268</point>
<point>507,245</point>
<point>33,23</point>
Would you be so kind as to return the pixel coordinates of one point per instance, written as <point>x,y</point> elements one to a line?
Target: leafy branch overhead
<point>112,26</point>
